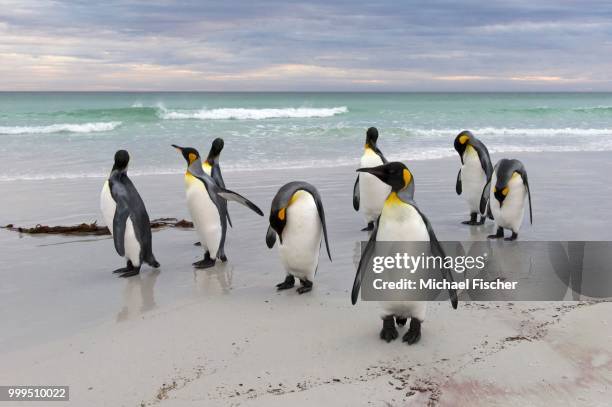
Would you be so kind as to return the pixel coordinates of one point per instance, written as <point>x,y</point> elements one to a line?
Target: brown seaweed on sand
<point>88,229</point>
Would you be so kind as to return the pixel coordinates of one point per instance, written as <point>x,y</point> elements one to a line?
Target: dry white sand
<point>180,337</point>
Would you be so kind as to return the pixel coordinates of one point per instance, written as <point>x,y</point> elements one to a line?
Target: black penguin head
<point>504,170</point>
<point>278,220</point>
<point>462,140</point>
<point>122,158</point>
<point>215,149</point>
<point>371,138</point>
<point>395,174</point>
<point>190,154</point>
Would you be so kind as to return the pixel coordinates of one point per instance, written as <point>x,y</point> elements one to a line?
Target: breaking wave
<point>61,128</point>
<point>252,114</point>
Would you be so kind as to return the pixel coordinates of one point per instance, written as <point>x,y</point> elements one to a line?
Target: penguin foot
<point>207,262</point>
<point>400,321</point>
<point>472,221</point>
<point>131,271</point>
<point>511,238</point>
<point>306,286</point>
<point>155,264</point>
<point>414,333</point>
<point>121,270</point>
<point>369,227</point>
<point>288,283</point>
<point>197,244</point>
<point>388,333</point>
<point>223,258</point>
<point>482,220</point>
<point>498,235</point>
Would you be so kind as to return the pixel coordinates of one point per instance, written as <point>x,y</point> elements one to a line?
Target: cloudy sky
<point>472,45</point>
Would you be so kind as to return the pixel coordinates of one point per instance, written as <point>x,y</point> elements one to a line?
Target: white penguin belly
<point>473,179</point>
<point>204,214</point>
<point>130,243</point>
<point>510,214</point>
<point>372,191</point>
<point>402,222</point>
<point>299,251</point>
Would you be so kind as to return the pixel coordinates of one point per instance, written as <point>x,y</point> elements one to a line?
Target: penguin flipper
<point>234,196</point>
<point>356,194</point>
<point>122,212</point>
<point>363,262</point>
<point>321,212</point>
<point>484,197</point>
<point>215,173</point>
<point>458,186</point>
<point>270,237</point>
<point>523,174</point>
<point>437,250</point>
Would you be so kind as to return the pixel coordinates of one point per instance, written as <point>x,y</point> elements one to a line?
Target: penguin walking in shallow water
<point>509,189</point>
<point>400,220</point>
<point>298,218</point>
<point>474,174</point>
<point>369,193</point>
<point>205,202</point>
<point>211,167</point>
<point>127,219</point>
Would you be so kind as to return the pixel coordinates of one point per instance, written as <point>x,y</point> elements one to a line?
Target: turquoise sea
<point>70,135</point>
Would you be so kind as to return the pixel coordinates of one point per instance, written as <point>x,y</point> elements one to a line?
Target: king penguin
<point>298,218</point>
<point>127,219</point>
<point>507,199</point>
<point>211,167</point>
<point>205,202</point>
<point>474,174</point>
<point>400,220</point>
<point>369,193</point>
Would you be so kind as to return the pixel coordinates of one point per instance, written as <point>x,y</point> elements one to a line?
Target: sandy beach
<point>178,336</point>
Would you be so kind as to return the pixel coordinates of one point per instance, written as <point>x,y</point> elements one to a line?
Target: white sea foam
<point>252,114</point>
<point>504,131</point>
<point>61,128</point>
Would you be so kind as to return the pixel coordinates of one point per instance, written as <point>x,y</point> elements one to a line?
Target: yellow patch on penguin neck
<point>206,164</point>
<point>281,214</point>
<point>369,150</point>
<point>464,139</point>
<point>505,191</point>
<point>192,157</point>
<point>393,199</point>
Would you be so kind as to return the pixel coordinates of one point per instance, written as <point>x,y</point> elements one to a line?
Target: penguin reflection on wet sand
<point>400,220</point>
<point>211,167</point>
<point>127,219</point>
<point>474,174</point>
<point>298,218</point>
<point>205,201</point>
<point>509,188</point>
<point>369,193</point>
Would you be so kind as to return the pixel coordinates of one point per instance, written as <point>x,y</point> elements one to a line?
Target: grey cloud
<point>377,45</point>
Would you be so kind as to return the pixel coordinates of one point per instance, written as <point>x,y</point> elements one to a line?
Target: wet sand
<point>225,337</point>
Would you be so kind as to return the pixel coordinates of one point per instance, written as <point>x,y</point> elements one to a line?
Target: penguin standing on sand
<point>298,218</point>
<point>474,174</point>
<point>507,198</point>
<point>369,193</point>
<point>205,202</point>
<point>127,219</point>
<point>400,220</point>
<point>211,167</point>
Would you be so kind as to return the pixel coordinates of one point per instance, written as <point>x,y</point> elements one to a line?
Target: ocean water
<point>69,135</point>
